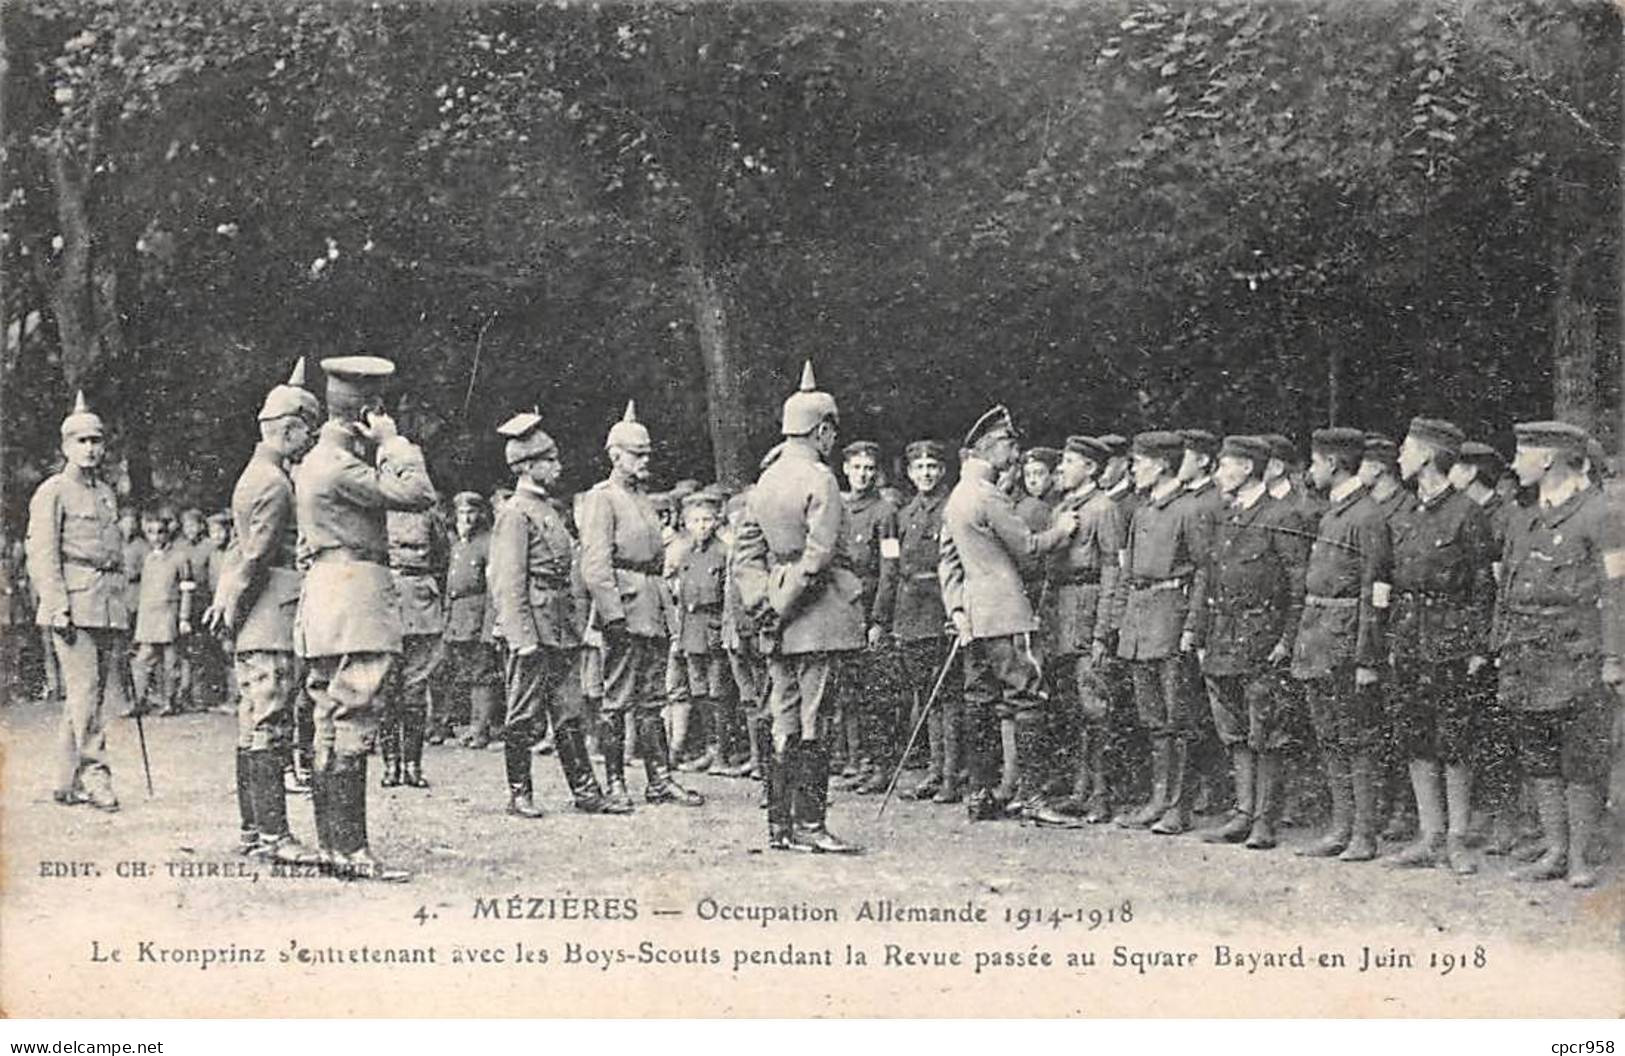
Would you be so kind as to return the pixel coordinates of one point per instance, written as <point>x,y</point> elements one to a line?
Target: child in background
<point>195,543</point>
<point>218,651</point>
<point>699,607</point>
<point>163,615</point>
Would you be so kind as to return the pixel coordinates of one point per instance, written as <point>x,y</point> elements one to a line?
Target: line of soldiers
<point>1178,598</point>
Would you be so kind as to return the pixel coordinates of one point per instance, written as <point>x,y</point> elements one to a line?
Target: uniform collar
<point>1123,484</point>
<point>1343,494</point>
<point>1083,493</point>
<point>1280,487</point>
<point>264,452</point>
<point>1248,494</point>
<point>1165,492</point>
<point>86,477</point>
<point>863,498</point>
<point>524,485</point>
<point>1435,497</point>
<point>1200,484</point>
<point>976,468</point>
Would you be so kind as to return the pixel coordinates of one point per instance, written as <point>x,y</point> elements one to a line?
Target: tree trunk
<point>71,293</point>
<point>724,391</point>
<point>1575,392</point>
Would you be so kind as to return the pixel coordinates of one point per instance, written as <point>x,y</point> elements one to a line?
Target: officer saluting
<point>254,602</point>
<point>76,565</point>
<point>792,574</point>
<point>621,564</point>
<point>349,619</point>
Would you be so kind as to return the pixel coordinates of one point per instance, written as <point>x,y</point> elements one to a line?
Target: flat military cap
<point>1116,444</point>
<point>526,438</point>
<point>1254,447</point>
<point>356,377</point>
<point>291,398</point>
<point>1560,436</point>
<point>1283,450</point>
<point>1379,448</point>
<point>861,447</point>
<point>82,422</point>
<point>1480,454</point>
<point>1089,447</point>
<point>995,423</point>
<point>683,489</point>
<point>807,406</point>
<point>218,517</point>
<point>1200,440</point>
<point>1046,455</point>
<point>629,434</point>
<point>1440,434</point>
<point>1339,440</point>
<point>1159,443</point>
<point>468,500</point>
<point>933,449</point>
<point>702,499</point>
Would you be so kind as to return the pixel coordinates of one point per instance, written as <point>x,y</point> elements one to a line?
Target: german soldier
<point>1341,645</point>
<point>1560,631</point>
<point>790,564</point>
<point>349,622</point>
<point>622,565</point>
<point>1164,564</point>
<point>869,704</point>
<point>1254,598</point>
<point>76,566</point>
<point>983,544</point>
<point>253,607</point>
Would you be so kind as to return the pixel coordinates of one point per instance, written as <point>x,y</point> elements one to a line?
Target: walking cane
<point>914,735</point>
<point>140,730</point>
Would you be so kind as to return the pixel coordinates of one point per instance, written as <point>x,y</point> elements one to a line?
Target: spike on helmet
<point>629,434</point>
<point>83,421</point>
<point>291,398</point>
<point>807,406</point>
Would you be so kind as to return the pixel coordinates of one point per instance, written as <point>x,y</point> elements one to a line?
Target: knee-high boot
<point>810,801</point>
<point>778,774</point>
<point>516,765</point>
<point>271,812</point>
<point>661,787</point>
<point>612,738</point>
<point>1153,809</point>
<point>248,833</point>
<point>412,735</point>
<point>356,861</point>
<point>1336,839</point>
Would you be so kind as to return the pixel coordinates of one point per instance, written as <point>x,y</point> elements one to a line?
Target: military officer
<point>1443,595</point>
<point>791,567</point>
<point>1254,598</point>
<point>1560,632</point>
<point>622,566</point>
<point>531,557</point>
<point>912,613</point>
<point>253,607</point>
<point>1159,622</point>
<point>983,544</point>
<point>869,700</point>
<point>349,622</point>
<point>1075,616</point>
<point>1341,647</point>
<point>76,565</point>
<point>418,553</point>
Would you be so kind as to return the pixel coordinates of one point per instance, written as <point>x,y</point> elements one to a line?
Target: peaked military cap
<point>291,398</point>
<point>1560,436</point>
<point>1116,443</point>
<point>1046,455</point>
<point>526,439</point>
<point>82,422</point>
<point>468,500</point>
<point>704,498</point>
<point>1283,449</point>
<point>1242,446</point>
<point>356,377</point>
<point>1201,441</point>
<point>994,423</point>
<point>1089,447</point>
<point>629,434</point>
<point>934,449</point>
<point>861,447</point>
<point>807,406</point>
<point>1444,435</point>
<point>1379,448</point>
<point>1159,443</point>
<point>1339,440</point>
<point>1481,454</point>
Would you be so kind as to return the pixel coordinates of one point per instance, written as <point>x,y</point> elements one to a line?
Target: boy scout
<point>622,565</point>
<point>869,699</point>
<point>983,542</point>
<point>790,563</point>
<point>1443,596</point>
<point>76,566</point>
<point>913,615</point>
<point>1341,645</point>
<point>1159,626</point>
<point>417,560</point>
<point>745,658</point>
<point>1034,505</point>
<point>1254,599</point>
<point>253,607</point>
<point>1560,633</point>
<point>1075,616</point>
<point>349,623</point>
<point>163,615</point>
<point>700,575</point>
<point>470,653</point>
<point>531,556</point>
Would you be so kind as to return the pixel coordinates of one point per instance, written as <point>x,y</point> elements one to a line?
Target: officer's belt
<point>647,568</point>
<point>1321,601</point>
<point>339,553</point>
<point>412,571</point>
<point>1539,610</point>
<point>1175,583</point>
<point>932,576</point>
<point>1429,598</point>
<point>1078,577</point>
<point>83,563</point>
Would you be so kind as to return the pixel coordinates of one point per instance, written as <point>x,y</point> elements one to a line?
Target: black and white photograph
<point>812,509</point>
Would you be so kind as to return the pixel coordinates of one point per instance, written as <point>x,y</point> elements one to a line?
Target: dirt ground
<point>463,848</point>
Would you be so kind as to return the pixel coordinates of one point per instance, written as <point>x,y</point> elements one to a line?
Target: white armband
<point>1379,594</point>
<point>890,549</point>
<point>1613,564</point>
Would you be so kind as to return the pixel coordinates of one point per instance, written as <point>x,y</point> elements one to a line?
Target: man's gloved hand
<point>615,633</point>
<point>961,623</point>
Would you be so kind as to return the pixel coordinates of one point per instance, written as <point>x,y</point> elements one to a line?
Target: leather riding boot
<point>1032,768</point>
<point>296,776</point>
<point>1153,808</point>
<point>612,739</point>
<point>412,731</point>
<point>516,766</point>
<point>1584,808</point>
<point>389,750</point>
<point>952,757</point>
<point>277,844</point>
<point>778,771</point>
<point>811,804</point>
<point>358,861</point>
<point>931,783</point>
<point>1098,810</point>
<point>584,788</point>
<point>1244,774</point>
<point>1009,772</point>
<point>1363,788</point>
<point>1336,839</point>
<point>482,710</point>
<point>660,786</point>
<point>323,807</point>
<point>1176,819</point>
<point>1428,849</point>
<point>248,833</point>
<point>1266,802</point>
<point>1551,803</point>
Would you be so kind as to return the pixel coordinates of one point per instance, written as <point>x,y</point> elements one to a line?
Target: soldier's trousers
<point>89,667</point>
<point>1249,711</point>
<point>471,667</point>
<point>267,683</point>
<point>1346,718</point>
<point>1435,709</point>
<point>922,663</point>
<point>802,690</point>
<point>406,701</point>
<point>1573,743</point>
<point>1162,695</point>
<point>536,694</point>
<point>635,674</point>
<point>345,690</point>
<point>869,696</point>
<point>1003,680</point>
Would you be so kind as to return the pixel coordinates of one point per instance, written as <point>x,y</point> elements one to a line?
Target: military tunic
<point>1081,580</point>
<point>471,655</point>
<point>76,565</point>
<point>622,564</point>
<point>700,588</point>
<point>417,560</point>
